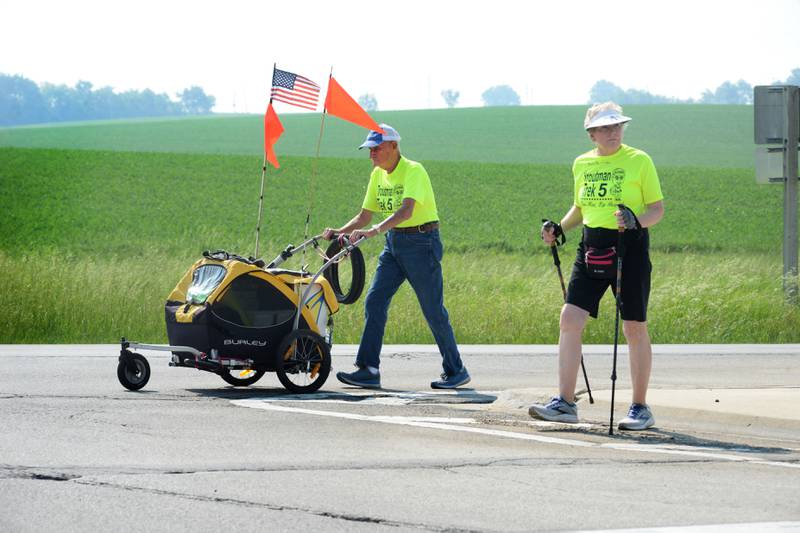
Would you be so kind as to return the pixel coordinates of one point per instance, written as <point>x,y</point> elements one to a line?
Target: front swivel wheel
<point>133,370</point>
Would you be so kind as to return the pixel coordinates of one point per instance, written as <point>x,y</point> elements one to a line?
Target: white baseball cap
<point>374,138</point>
<point>607,117</point>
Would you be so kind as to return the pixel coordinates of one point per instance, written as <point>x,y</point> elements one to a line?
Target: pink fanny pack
<point>601,263</point>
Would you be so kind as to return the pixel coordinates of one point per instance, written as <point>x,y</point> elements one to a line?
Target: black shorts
<point>586,292</point>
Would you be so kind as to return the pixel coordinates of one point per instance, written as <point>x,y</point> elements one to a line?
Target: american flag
<point>294,90</point>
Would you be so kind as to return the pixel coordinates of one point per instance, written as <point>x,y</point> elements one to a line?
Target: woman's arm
<point>652,215</point>
<point>572,219</point>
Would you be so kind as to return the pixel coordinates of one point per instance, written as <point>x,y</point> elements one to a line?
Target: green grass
<point>492,298</point>
<point>91,242</point>
<point>101,219</point>
<point>116,203</point>
<point>675,135</point>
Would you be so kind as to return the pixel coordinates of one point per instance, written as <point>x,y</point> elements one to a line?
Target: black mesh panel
<point>254,302</point>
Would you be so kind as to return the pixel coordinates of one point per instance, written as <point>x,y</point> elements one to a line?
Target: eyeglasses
<point>383,146</point>
<point>609,128</point>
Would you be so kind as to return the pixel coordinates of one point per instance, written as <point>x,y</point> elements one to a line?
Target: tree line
<point>728,92</point>
<point>22,101</point>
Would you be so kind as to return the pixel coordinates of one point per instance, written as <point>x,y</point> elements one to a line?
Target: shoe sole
<point>359,384</point>
<point>434,385</point>
<point>563,417</point>
<point>637,426</point>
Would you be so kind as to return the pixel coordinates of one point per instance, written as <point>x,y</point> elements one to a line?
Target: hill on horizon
<point>674,135</point>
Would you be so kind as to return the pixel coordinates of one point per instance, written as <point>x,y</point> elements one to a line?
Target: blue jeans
<point>414,257</point>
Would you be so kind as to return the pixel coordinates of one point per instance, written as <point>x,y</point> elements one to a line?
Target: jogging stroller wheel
<point>241,378</point>
<point>304,361</point>
<point>133,371</point>
<point>347,276</point>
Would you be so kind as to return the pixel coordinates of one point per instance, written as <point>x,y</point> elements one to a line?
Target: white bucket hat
<point>606,117</point>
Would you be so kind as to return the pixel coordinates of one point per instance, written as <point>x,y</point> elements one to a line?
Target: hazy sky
<point>404,52</point>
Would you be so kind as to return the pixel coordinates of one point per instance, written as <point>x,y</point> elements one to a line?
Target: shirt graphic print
<point>602,188</point>
<point>389,198</point>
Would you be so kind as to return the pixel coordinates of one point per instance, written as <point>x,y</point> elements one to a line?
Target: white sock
<point>372,370</point>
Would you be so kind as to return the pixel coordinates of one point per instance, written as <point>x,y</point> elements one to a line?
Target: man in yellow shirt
<point>400,189</point>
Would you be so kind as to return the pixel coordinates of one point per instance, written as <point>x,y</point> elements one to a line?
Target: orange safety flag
<point>272,132</point>
<point>340,104</point>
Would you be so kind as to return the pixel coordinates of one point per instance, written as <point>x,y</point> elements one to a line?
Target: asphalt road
<point>78,452</point>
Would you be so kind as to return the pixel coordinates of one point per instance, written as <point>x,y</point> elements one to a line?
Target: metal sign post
<point>792,128</point>
<point>777,123</point>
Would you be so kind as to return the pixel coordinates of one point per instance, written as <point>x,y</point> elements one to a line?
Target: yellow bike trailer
<point>240,318</point>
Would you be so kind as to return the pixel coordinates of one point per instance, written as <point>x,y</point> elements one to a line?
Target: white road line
<point>377,397</point>
<point>561,425</point>
<point>452,425</point>
<point>407,421</point>
<point>785,527</point>
<point>404,398</point>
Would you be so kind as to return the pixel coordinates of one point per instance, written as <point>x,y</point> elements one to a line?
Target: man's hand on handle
<point>330,233</point>
<point>365,233</point>
<point>354,236</point>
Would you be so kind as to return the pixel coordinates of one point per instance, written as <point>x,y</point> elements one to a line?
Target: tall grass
<point>492,298</point>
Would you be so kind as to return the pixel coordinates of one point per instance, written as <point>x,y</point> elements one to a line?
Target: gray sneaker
<point>639,417</point>
<point>558,410</point>
<point>361,378</point>
<point>452,382</point>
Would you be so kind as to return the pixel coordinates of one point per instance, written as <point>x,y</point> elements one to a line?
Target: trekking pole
<point>618,296</point>
<point>557,262</point>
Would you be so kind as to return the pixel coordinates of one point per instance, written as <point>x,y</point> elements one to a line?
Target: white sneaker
<point>558,410</point>
<point>639,417</point>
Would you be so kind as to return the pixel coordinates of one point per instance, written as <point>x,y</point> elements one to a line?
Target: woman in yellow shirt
<point>609,175</point>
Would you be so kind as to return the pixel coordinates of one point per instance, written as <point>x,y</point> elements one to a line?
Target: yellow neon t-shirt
<point>601,182</point>
<point>409,179</point>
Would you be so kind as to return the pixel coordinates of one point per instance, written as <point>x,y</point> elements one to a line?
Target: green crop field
<point>675,135</point>
<point>100,220</point>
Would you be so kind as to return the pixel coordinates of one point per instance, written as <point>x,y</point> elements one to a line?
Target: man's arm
<point>359,221</point>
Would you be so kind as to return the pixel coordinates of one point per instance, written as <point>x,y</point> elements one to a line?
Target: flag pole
<point>263,176</point>
<point>314,169</point>
<point>260,203</point>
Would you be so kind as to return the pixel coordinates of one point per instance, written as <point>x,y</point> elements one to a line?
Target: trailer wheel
<point>133,371</point>
<point>304,361</point>
<point>347,276</point>
<point>235,377</point>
